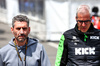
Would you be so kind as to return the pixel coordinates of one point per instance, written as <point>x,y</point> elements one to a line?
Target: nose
<point>21,31</point>
<point>83,24</point>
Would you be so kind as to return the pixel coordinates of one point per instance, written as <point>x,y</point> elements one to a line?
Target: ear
<point>76,17</point>
<point>12,29</point>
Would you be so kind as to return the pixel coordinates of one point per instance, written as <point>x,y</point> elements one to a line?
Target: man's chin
<point>84,31</point>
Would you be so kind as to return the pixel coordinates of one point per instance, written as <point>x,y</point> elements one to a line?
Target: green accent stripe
<point>60,51</point>
<point>85,37</point>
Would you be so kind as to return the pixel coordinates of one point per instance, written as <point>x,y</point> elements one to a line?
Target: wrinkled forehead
<point>85,16</point>
<point>20,23</point>
<point>83,13</point>
<point>83,19</point>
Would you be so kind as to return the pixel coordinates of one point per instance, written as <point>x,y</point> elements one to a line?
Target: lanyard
<point>18,51</point>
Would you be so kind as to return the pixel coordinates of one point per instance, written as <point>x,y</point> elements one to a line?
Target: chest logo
<point>74,37</point>
<point>85,51</point>
<point>94,37</point>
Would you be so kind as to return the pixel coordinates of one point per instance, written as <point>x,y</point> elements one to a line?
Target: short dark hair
<point>20,18</point>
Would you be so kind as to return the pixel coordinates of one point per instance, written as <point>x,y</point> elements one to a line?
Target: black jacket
<point>80,49</point>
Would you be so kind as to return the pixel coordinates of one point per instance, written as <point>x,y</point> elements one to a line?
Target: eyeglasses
<point>85,21</point>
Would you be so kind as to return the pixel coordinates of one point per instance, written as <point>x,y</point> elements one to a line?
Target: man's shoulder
<point>70,31</point>
<point>96,31</point>
<point>5,48</point>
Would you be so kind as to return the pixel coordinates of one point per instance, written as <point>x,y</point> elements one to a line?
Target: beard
<point>21,38</point>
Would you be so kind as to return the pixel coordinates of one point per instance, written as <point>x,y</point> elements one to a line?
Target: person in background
<point>22,50</point>
<point>80,46</point>
<point>95,17</point>
<point>98,26</point>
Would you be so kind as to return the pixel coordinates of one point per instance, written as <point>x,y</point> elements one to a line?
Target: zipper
<point>85,41</point>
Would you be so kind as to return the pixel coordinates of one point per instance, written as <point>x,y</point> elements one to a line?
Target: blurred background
<point>48,19</point>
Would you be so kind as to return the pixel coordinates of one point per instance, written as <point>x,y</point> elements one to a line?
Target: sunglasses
<point>85,21</point>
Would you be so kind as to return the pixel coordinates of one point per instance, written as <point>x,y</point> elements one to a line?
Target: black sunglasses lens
<point>83,21</point>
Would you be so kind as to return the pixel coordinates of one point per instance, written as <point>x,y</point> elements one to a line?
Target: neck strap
<point>18,51</point>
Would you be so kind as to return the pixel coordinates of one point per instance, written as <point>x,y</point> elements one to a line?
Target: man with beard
<point>22,50</point>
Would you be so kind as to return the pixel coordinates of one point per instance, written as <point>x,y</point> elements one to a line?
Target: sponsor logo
<point>85,51</point>
<point>75,40</point>
<point>74,37</point>
<point>94,37</point>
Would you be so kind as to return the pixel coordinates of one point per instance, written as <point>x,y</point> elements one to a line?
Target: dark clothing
<point>79,49</point>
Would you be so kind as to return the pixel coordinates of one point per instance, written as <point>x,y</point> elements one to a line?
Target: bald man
<point>80,46</point>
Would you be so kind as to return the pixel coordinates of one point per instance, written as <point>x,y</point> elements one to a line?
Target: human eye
<point>80,21</point>
<point>18,28</point>
<point>24,28</point>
